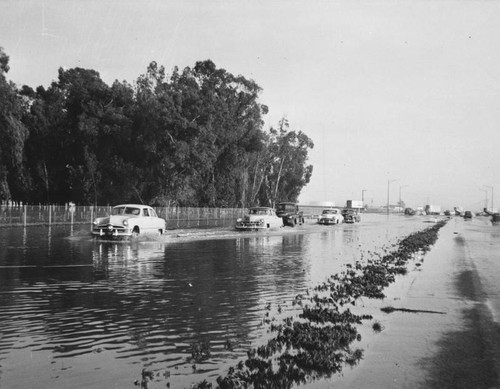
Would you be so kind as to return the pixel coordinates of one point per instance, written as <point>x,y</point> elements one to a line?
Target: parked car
<point>290,214</point>
<point>467,215</point>
<point>259,218</point>
<point>129,220</point>
<point>495,218</point>
<point>331,216</point>
<point>351,216</point>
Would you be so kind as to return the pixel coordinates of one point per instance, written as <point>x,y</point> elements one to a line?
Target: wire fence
<point>175,217</point>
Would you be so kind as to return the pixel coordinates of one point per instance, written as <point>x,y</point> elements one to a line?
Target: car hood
<point>255,217</point>
<point>114,219</point>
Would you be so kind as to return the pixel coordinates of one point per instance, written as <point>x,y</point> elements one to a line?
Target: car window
<point>152,213</point>
<point>145,212</point>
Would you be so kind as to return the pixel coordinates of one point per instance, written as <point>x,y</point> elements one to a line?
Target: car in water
<point>467,215</point>
<point>495,218</point>
<point>259,218</point>
<point>331,216</point>
<point>290,214</point>
<point>128,220</point>
<point>351,216</point>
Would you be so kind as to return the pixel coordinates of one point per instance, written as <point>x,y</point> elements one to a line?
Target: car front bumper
<point>327,221</point>
<point>111,231</point>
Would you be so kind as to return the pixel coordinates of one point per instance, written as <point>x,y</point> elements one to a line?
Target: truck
<point>354,204</point>
<point>290,214</point>
<point>433,209</point>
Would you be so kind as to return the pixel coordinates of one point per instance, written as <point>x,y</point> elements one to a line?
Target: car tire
<point>135,232</point>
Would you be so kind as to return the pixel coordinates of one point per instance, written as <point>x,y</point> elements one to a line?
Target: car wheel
<point>135,232</point>
<point>160,232</point>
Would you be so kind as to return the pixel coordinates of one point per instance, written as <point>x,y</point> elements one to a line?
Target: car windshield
<point>117,211</point>
<point>132,211</point>
<point>258,211</point>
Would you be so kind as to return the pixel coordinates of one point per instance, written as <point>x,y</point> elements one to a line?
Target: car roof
<point>132,205</point>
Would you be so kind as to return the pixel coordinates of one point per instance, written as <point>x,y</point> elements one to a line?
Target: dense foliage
<point>195,138</point>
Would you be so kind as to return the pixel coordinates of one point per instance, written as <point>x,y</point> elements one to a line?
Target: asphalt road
<point>454,342</point>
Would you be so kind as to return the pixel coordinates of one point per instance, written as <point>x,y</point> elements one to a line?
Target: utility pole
<point>388,185</point>
<point>485,199</point>
<point>492,195</point>
<point>401,186</point>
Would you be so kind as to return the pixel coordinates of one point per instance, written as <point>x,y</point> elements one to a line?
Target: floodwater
<point>84,314</point>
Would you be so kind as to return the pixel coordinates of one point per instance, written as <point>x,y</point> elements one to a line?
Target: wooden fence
<point>176,217</point>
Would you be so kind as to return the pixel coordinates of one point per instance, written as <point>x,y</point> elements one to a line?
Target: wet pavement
<point>455,341</point>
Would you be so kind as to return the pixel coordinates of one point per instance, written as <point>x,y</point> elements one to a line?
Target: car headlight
<point>125,223</point>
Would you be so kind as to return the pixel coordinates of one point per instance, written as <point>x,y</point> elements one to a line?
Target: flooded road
<point>83,314</point>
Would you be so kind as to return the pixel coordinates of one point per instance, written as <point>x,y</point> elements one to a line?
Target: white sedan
<point>331,216</point>
<point>259,218</point>
<point>129,220</point>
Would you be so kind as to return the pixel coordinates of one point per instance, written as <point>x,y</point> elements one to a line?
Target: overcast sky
<point>387,90</point>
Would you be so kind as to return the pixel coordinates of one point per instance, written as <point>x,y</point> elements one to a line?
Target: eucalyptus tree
<point>79,141</point>
<point>232,116</point>
<point>194,131</point>
<point>286,171</point>
<point>42,154</point>
<point>13,134</point>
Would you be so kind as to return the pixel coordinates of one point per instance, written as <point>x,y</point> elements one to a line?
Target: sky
<point>401,98</point>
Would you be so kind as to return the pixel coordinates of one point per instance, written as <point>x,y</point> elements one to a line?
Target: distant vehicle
<point>356,204</point>
<point>467,215</point>
<point>433,209</point>
<point>128,220</point>
<point>351,216</point>
<point>290,214</point>
<point>259,218</point>
<point>447,212</point>
<point>410,211</point>
<point>495,218</point>
<point>331,216</point>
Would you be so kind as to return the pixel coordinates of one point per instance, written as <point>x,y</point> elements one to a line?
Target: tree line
<point>194,138</point>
